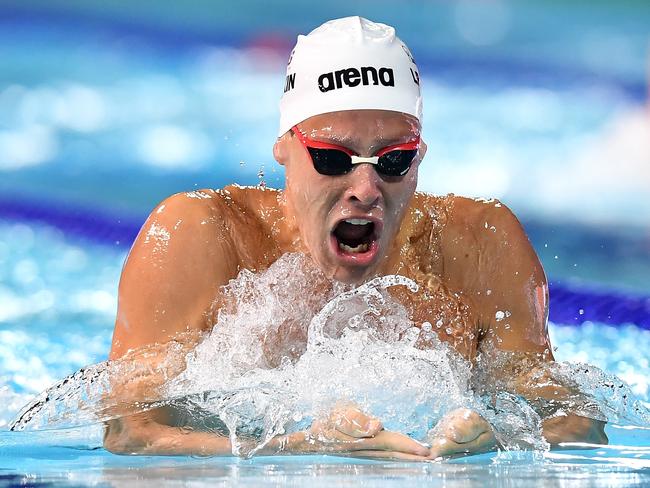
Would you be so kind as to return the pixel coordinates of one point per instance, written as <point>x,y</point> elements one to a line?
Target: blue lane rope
<point>569,304</point>
<point>573,305</point>
<point>95,225</point>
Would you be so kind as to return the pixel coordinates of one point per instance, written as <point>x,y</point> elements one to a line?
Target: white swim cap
<point>349,64</point>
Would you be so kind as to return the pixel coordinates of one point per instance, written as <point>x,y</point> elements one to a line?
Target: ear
<point>281,148</point>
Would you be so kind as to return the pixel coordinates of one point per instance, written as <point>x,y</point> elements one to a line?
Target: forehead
<point>362,125</point>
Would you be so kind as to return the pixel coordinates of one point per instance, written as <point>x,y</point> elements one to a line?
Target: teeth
<point>357,221</point>
<point>360,248</point>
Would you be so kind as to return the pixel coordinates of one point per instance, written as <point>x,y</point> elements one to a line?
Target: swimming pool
<point>61,321</point>
<point>59,265</point>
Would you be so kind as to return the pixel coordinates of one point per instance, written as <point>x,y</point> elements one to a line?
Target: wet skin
<point>477,269</point>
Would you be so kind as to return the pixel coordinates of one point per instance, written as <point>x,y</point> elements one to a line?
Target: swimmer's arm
<point>148,434</point>
<point>346,432</point>
<point>574,428</point>
<point>179,260</point>
<point>172,275</point>
<point>515,316</point>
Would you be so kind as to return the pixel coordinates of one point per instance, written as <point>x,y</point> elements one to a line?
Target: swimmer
<point>351,147</point>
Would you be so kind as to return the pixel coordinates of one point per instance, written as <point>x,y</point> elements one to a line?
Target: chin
<point>352,269</point>
<point>354,276</point>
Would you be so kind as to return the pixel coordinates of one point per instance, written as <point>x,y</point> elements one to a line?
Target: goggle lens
<point>396,162</point>
<point>330,162</point>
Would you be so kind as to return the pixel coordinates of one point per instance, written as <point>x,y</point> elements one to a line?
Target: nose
<point>364,186</point>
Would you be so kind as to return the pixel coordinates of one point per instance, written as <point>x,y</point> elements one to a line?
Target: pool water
<point>77,466</point>
<point>106,120</point>
<point>61,320</point>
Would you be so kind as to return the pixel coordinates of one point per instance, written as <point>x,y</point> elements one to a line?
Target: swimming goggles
<point>333,160</point>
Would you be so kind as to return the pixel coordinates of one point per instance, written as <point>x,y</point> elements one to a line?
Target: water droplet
<point>260,175</point>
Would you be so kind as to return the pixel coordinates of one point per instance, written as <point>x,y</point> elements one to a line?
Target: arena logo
<point>353,77</point>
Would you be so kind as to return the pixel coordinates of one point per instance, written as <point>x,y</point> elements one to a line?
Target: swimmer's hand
<point>349,431</point>
<point>461,432</point>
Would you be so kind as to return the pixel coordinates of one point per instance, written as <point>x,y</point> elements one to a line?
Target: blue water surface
<point>106,110</point>
<point>62,293</point>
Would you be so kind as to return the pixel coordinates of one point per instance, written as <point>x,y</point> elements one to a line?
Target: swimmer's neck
<point>273,211</point>
<point>288,236</point>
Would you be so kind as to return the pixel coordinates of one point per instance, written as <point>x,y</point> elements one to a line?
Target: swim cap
<point>349,64</point>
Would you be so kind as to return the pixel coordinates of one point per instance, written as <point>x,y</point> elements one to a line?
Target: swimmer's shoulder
<point>468,227</point>
<point>184,222</point>
<point>254,209</point>
<point>483,241</point>
<point>202,207</point>
<point>459,214</point>
<point>250,199</point>
<point>241,212</point>
<point>474,224</point>
<point>467,214</point>
<point>449,213</point>
<point>233,203</point>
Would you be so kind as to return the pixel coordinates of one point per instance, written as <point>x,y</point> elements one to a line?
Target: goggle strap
<point>359,160</point>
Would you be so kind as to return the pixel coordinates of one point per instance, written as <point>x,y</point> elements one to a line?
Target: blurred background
<point>108,107</point>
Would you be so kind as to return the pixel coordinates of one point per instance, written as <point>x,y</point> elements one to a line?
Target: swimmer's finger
<point>352,421</point>
<point>305,442</point>
<point>290,443</point>
<point>442,447</point>
<point>316,440</point>
<point>341,444</point>
<point>462,425</point>
<point>392,442</point>
<point>394,455</point>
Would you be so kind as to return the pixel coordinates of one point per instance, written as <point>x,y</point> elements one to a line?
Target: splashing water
<point>288,345</point>
<point>281,358</point>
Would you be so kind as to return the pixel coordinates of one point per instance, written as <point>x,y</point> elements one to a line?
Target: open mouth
<point>355,237</point>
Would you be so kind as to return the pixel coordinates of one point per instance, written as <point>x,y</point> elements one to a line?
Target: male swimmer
<point>350,143</point>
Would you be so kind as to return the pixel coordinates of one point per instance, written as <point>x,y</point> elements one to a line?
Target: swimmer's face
<point>347,222</point>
